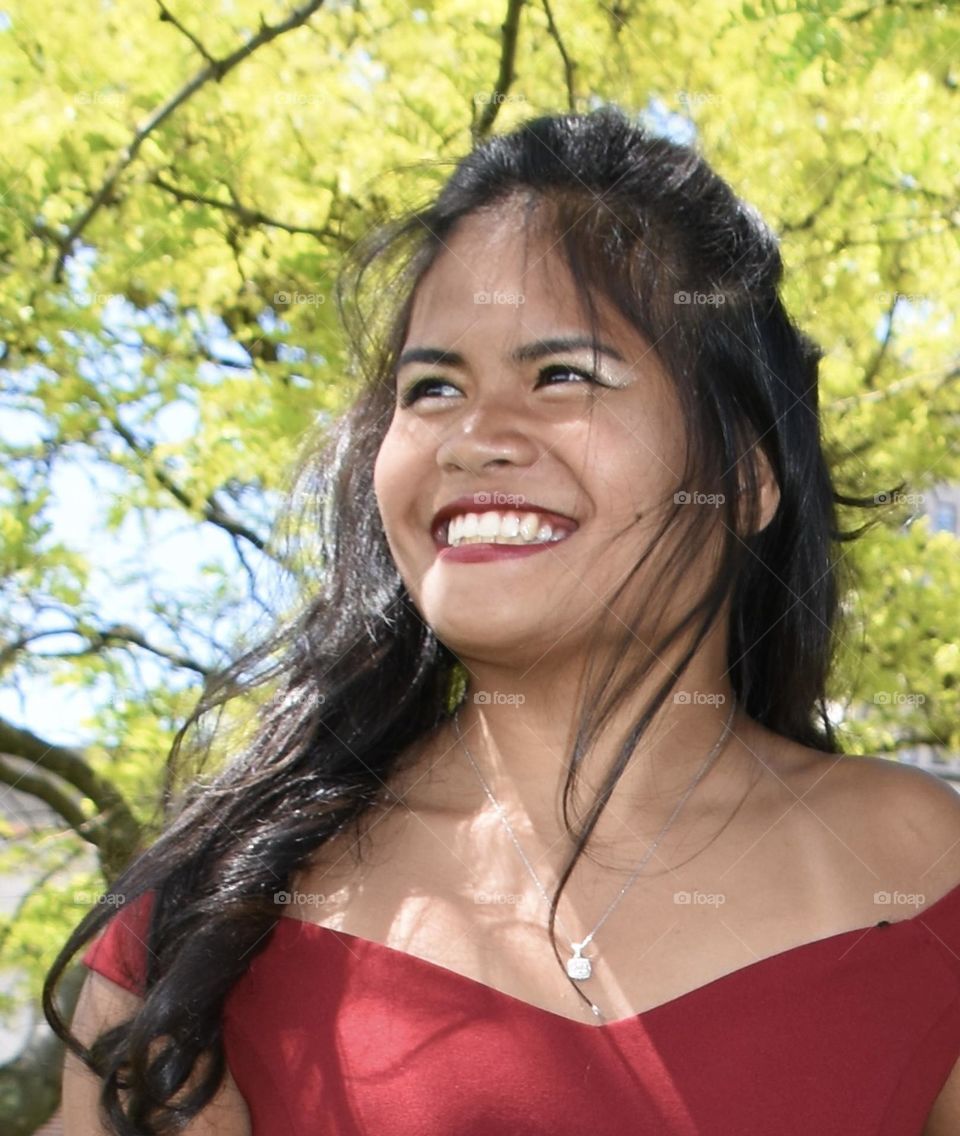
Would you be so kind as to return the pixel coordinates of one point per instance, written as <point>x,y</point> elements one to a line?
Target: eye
<point>564,369</point>
<point>415,392</point>
<point>421,388</point>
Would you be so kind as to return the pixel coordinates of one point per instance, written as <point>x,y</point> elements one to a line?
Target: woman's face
<point>512,415</point>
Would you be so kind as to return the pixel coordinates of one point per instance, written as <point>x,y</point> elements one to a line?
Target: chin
<point>486,638</point>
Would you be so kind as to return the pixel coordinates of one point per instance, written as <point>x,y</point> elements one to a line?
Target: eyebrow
<point>523,354</point>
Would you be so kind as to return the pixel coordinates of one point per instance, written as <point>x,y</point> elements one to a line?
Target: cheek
<point>637,464</point>
<point>397,472</point>
<point>385,481</point>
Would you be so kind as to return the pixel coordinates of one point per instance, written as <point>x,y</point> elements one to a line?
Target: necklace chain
<point>578,966</point>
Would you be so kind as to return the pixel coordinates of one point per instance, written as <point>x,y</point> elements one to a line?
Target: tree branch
<point>215,70</point>
<point>893,389</point>
<point>247,216</point>
<point>210,510</point>
<point>115,830</point>
<point>10,650</point>
<point>873,368</point>
<point>569,66</point>
<point>166,353</point>
<point>808,222</point>
<point>98,639</point>
<point>508,51</point>
<point>884,5</point>
<point>251,577</point>
<point>168,17</point>
<point>64,761</point>
<point>45,787</point>
<point>122,633</point>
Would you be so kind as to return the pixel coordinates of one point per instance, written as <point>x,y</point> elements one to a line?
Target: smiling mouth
<point>510,528</point>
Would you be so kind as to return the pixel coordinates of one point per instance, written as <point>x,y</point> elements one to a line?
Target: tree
<point>179,187</point>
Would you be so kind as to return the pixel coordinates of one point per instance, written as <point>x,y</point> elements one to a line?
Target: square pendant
<point>578,967</point>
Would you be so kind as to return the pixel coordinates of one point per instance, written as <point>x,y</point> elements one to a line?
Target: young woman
<point>544,827</point>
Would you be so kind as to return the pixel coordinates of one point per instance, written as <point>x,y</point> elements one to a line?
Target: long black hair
<point>354,677</point>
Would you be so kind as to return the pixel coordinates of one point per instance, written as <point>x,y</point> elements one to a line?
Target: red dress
<point>329,1034</point>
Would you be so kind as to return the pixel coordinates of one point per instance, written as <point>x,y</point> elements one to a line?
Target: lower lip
<point>477,553</point>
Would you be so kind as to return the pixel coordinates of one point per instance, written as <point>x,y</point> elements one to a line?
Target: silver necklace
<point>579,966</point>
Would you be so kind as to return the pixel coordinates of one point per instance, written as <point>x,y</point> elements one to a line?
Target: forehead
<point>502,278</point>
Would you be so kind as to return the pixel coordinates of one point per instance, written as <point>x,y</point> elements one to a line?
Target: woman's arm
<point>102,1004</point>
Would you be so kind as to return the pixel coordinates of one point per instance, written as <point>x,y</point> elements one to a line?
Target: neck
<point>520,733</point>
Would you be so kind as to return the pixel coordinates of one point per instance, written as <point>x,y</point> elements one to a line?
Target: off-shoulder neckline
<point>418,962</point>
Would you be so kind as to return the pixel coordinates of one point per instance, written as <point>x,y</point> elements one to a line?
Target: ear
<point>768,489</point>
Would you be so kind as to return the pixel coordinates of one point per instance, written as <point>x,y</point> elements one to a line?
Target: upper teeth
<point>500,528</point>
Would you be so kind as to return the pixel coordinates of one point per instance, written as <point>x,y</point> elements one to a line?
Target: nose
<point>487,435</point>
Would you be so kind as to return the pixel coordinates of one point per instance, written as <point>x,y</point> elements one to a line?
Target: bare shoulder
<point>896,810</point>
<point>919,803</point>
<point>103,1004</point>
